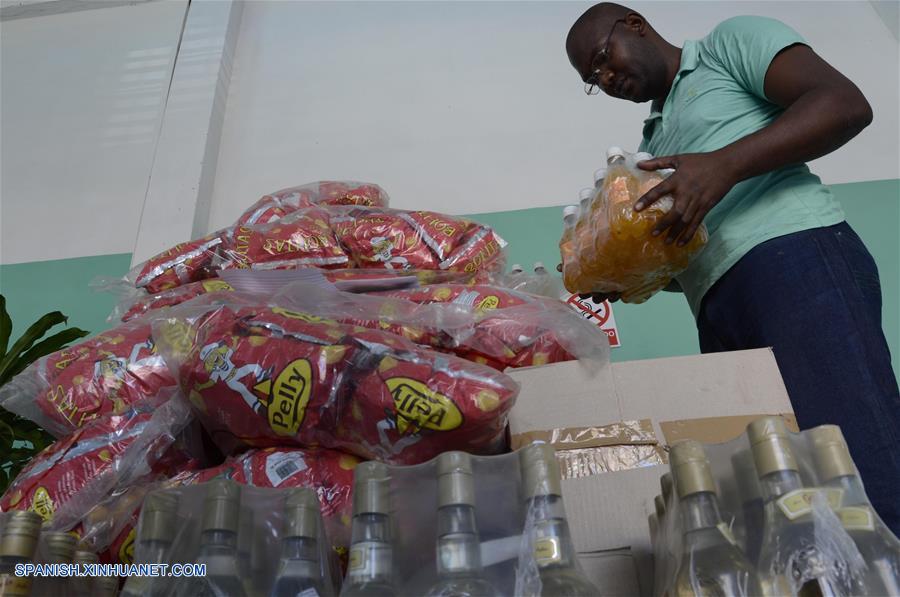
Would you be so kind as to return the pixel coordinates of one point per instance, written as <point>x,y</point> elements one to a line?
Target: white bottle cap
<point>516,269</point>
<point>614,152</point>
<point>667,171</point>
<point>642,155</point>
<point>586,194</point>
<point>599,175</point>
<point>570,210</point>
<point>538,265</point>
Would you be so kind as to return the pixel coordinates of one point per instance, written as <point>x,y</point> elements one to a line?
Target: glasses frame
<point>591,84</point>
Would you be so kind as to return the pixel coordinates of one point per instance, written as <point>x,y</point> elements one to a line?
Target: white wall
<point>472,106</point>
<point>82,96</point>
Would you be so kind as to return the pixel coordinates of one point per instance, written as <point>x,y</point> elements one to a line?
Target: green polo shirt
<point>718,97</point>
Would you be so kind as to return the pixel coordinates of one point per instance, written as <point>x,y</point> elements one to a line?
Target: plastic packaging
<point>275,206</point>
<point>330,237</point>
<point>772,512</point>
<point>613,250</point>
<point>107,374</point>
<point>138,303</point>
<point>463,525</point>
<point>253,541</point>
<point>267,376</point>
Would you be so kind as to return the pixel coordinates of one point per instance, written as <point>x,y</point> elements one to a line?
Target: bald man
<point>737,114</point>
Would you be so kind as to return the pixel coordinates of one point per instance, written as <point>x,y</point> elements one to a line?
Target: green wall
<point>661,327</point>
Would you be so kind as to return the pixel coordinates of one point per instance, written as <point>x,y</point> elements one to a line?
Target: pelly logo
<point>287,397</point>
<point>418,407</point>
<point>42,504</point>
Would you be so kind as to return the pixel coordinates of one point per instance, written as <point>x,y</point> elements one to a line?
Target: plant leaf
<point>5,327</point>
<point>46,346</point>
<point>31,335</point>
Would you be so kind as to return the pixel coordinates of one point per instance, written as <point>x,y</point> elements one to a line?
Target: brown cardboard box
<point>619,418</point>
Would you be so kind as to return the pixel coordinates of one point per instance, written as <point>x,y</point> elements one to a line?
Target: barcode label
<point>286,470</point>
<point>281,466</point>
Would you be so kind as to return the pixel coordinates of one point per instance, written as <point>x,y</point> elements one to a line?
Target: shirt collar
<point>690,58</point>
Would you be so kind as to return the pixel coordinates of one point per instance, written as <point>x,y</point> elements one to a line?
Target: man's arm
<point>823,110</point>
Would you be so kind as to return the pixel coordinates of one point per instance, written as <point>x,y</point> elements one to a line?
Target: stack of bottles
<point>607,246</point>
<point>24,546</point>
<point>770,513</point>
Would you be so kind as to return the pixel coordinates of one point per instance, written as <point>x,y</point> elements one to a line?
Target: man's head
<point>616,48</point>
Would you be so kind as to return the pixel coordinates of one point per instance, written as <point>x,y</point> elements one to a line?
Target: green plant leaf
<point>5,327</point>
<point>31,335</point>
<point>46,346</point>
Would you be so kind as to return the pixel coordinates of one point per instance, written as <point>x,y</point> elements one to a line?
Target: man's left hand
<point>699,182</point>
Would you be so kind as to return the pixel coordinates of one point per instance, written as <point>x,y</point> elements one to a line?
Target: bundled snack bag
<point>183,263</point>
<point>137,303</point>
<point>276,205</point>
<point>267,376</point>
<point>608,247</point>
<point>103,375</point>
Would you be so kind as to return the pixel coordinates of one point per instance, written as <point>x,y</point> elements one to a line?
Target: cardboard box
<point>610,426</point>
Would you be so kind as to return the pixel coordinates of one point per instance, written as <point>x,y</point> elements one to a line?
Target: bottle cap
<point>570,210</point>
<point>642,155</point>
<point>769,440</point>
<point>614,152</point>
<point>516,269</point>
<point>455,483</point>
<point>370,489</point>
<point>666,484</point>
<point>599,175</point>
<point>539,265</point>
<point>83,556</point>
<point>690,468</point>
<point>20,534</point>
<point>660,506</point>
<point>221,506</point>
<point>745,474</point>
<point>60,547</point>
<point>301,513</point>
<point>540,470</point>
<point>158,516</point>
<point>586,194</point>
<point>830,453</point>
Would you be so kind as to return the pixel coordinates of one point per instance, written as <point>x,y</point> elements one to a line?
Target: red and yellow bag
<point>276,205</point>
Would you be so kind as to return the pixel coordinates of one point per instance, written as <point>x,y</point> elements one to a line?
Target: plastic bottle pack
<point>607,247</point>
<point>772,512</point>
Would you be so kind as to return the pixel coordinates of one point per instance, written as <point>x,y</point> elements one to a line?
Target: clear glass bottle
<point>300,569</point>
<point>84,586</point>
<point>751,503</point>
<point>661,503</point>
<point>218,544</point>
<point>370,572</point>
<point>554,552</point>
<point>878,546</point>
<point>711,563</point>
<point>791,560</point>
<point>458,545</point>
<point>159,515</point>
<point>17,546</point>
<point>58,548</point>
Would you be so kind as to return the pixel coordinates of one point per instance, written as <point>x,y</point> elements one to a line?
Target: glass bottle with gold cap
<point>158,528</point>
<point>83,586</point>
<point>459,569</point>
<point>751,502</point>
<point>370,572</point>
<point>554,552</point>
<point>18,543</point>
<point>300,570</point>
<point>711,561</point>
<point>58,548</point>
<point>218,544</point>
<point>878,546</point>
<point>791,560</point>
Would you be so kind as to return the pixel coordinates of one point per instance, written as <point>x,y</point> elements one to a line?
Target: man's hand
<point>699,182</point>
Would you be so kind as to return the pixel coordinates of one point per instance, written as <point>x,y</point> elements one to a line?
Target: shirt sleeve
<point>745,47</point>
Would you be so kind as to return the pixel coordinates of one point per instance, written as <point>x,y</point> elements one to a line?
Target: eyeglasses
<point>592,85</point>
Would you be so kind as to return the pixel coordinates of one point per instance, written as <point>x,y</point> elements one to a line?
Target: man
<point>737,114</point>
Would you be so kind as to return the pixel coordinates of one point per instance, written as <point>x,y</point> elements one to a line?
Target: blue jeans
<point>815,298</point>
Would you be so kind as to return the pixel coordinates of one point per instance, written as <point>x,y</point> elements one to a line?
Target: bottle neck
<point>218,542</point>
<point>300,548</point>
<point>854,494</point>
<point>155,552</point>
<point>370,549</point>
<point>459,549</point>
<point>553,546</point>
<point>776,484</point>
<point>700,511</point>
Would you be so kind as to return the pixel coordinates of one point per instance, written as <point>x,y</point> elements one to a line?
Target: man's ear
<point>636,23</point>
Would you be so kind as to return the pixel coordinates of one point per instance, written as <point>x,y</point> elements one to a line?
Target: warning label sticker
<point>600,314</point>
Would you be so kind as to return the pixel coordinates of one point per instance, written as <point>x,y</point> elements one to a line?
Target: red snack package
<point>381,238</point>
<point>460,244</point>
<point>131,309</point>
<point>103,375</point>
<point>303,239</point>
<point>276,205</point>
<point>266,376</point>
<point>183,263</point>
